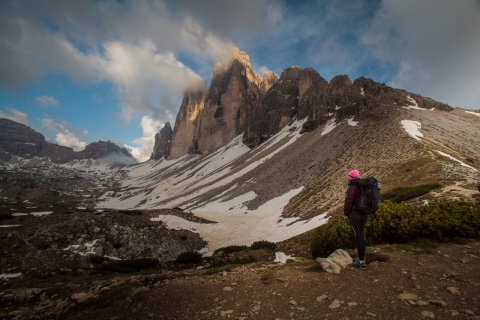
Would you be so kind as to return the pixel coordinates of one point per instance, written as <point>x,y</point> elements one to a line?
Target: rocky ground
<point>401,282</point>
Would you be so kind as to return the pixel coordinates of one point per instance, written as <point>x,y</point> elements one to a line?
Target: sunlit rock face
<point>234,88</point>
<point>240,102</point>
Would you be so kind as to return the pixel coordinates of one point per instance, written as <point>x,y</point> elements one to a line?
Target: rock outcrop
<point>233,90</point>
<point>238,101</point>
<point>17,139</point>
<point>186,124</point>
<point>163,140</point>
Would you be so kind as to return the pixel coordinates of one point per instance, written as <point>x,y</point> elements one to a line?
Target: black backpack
<point>369,199</point>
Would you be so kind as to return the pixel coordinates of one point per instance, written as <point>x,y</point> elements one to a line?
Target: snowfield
<point>184,183</point>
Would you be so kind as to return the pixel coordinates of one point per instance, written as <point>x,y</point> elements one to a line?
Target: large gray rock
<point>336,261</point>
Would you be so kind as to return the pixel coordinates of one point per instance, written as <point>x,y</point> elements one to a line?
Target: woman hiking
<point>356,219</point>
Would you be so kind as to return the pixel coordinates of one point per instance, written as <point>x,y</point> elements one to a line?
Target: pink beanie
<point>354,174</point>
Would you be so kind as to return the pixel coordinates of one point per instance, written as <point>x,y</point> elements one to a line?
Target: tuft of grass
<point>231,249</point>
<point>263,245</point>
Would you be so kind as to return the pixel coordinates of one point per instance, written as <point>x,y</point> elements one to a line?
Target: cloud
<point>144,144</point>
<point>435,46</point>
<point>146,81</point>
<point>14,115</point>
<point>46,101</point>
<point>63,135</point>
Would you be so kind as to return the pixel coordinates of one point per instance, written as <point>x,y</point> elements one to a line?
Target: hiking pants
<point>358,227</point>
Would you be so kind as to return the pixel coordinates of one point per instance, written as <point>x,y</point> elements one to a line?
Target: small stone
<point>454,313</point>
<point>224,314</point>
<point>422,303</point>
<point>227,289</point>
<point>82,297</point>
<point>352,304</point>
<point>427,314</point>
<point>371,314</point>
<point>293,302</point>
<point>438,302</point>
<point>408,296</point>
<point>335,304</point>
<point>322,297</point>
<point>453,290</point>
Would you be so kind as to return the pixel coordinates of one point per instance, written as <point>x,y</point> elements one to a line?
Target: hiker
<point>357,220</point>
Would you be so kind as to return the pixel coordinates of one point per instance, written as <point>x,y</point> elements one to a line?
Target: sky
<point>82,71</point>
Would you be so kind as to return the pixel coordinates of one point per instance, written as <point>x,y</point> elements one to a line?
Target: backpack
<point>369,199</point>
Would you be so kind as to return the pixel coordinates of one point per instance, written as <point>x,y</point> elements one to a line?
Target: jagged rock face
<point>275,109</point>
<point>186,124</point>
<point>234,88</point>
<point>19,139</point>
<point>239,101</point>
<point>162,143</point>
<point>268,80</point>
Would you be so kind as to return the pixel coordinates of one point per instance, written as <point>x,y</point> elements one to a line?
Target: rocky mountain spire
<point>239,101</point>
<point>162,143</point>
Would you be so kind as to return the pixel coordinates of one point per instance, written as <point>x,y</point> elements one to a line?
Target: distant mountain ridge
<point>17,139</point>
<point>240,102</point>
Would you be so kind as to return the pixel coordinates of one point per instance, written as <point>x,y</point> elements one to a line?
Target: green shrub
<point>398,195</point>
<point>402,223</point>
<point>189,257</point>
<point>231,249</point>
<point>263,245</point>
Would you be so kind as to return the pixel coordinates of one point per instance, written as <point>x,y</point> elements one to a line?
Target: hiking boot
<point>360,265</point>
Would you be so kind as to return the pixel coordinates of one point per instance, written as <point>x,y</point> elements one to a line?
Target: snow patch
<point>282,257</point>
<point>5,276</point>
<point>351,122</point>
<point>39,214</point>
<point>237,225</point>
<point>474,113</point>
<point>329,127</point>
<point>412,128</point>
<point>19,214</point>
<point>414,105</point>
<point>362,92</point>
<point>456,160</point>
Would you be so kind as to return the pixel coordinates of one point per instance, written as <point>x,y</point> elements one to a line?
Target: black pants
<point>358,227</point>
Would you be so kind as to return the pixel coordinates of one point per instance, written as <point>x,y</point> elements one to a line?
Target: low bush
<point>398,195</point>
<point>403,223</point>
<point>263,245</point>
<point>189,257</point>
<point>231,249</point>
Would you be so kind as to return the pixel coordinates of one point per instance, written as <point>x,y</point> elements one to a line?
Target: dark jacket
<point>352,197</point>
